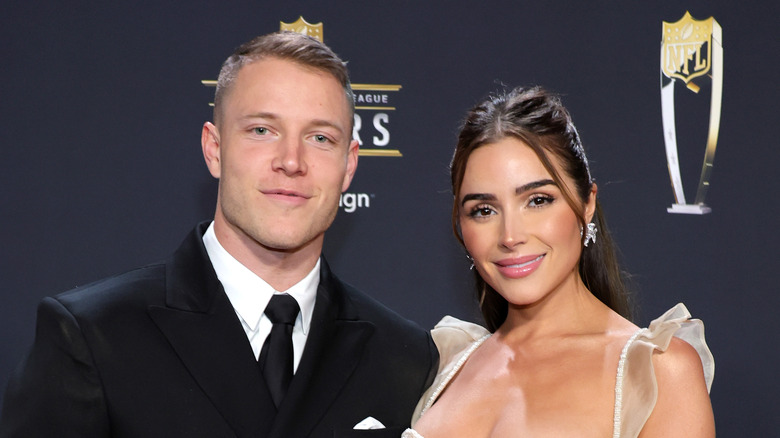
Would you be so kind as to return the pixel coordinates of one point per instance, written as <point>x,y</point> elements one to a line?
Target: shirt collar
<point>250,294</point>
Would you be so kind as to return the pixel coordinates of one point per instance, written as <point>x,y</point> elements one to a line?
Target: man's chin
<point>286,243</point>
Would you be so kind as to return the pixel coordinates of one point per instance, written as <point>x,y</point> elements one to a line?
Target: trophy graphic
<point>690,49</point>
<point>303,27</point>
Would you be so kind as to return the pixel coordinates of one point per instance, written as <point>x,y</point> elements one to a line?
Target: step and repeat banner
<point>102,107</point>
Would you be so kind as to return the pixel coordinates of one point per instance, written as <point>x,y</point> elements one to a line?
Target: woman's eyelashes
<point>540,200</point>
<point>537,200</point>
<point>481,211</point>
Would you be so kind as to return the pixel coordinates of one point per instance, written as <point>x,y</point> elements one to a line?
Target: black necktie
<point>276,356</point>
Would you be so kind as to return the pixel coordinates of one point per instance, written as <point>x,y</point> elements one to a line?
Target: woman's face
<point>516,224</point>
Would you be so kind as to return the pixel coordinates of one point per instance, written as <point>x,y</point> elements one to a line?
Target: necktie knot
<point>276,356</point>
<point>282,309</point>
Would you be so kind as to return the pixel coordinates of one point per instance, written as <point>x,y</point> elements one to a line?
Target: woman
<point>560,357</point>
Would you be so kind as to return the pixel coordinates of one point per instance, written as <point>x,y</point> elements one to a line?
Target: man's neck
<point>281,269</point>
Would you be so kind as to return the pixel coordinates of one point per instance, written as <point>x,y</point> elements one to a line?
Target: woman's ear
<point>590,205</point>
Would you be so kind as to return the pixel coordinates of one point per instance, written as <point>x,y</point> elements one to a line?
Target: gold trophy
<point>691,49</point>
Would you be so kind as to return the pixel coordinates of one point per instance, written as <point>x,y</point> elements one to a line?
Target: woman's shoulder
<point>678,344</point>
<point>679,359</point>
<point>664,366</point>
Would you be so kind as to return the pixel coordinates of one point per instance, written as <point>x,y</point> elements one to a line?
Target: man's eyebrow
<point>315,122</point>
<point>327,123</point>
<point>262,115</point>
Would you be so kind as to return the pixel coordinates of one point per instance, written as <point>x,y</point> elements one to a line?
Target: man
<point>172,349</point>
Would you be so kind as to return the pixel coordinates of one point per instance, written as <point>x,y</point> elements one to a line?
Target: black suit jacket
<point>160,352</point>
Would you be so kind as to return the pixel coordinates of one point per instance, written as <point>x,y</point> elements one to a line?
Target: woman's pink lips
<point>519,267</point>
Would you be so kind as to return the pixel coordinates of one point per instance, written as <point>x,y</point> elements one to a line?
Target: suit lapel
<point>203,329</point>
<point>333,350</point>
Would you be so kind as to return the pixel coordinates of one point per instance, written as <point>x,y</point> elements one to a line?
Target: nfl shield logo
<point>686,48</point>
<point>303,27</point>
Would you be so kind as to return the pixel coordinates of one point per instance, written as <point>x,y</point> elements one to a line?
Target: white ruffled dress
<point>636,390</point>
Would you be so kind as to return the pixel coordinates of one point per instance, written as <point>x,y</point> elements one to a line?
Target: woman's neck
<point>569,310</point>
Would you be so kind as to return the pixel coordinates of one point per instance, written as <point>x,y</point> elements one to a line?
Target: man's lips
<point>289,198</point>
<point>285,193</point>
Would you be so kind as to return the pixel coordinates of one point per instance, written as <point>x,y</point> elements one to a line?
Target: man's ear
<point>209,142</point>
<point>352,162</point>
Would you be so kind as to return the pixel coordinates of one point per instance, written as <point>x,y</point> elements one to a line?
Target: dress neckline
<point>458,365</point>
<point>616,417</point>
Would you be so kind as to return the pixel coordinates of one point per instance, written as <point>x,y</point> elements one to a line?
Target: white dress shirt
<point>249,295</point>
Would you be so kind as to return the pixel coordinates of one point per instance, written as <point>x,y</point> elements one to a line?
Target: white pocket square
<point>369,423</point>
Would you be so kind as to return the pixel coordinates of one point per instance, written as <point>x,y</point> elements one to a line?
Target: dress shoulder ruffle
<point>455,340</point>
<point>411,433</point>
<point>636,389</point>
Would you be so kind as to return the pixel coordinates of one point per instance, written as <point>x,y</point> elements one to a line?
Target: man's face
<point>283,154</point>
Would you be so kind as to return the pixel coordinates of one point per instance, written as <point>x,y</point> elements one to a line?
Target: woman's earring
<point>471,259</point>
<point>590,234</point>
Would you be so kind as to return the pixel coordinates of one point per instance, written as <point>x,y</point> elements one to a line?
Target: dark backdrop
<point>101,107</point>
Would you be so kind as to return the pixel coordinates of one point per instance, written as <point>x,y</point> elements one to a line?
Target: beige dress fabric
<point>636,390</point>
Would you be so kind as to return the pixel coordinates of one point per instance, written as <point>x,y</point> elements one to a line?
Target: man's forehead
<point>264,88</point>
<point>273,65</point>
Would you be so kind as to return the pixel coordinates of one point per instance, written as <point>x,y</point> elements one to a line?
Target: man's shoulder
<point>141,287</point>
<point>138,287</point>
<point>374,311</point>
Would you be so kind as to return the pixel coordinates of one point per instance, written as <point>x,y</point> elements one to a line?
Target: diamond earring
<point>590,234</point>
